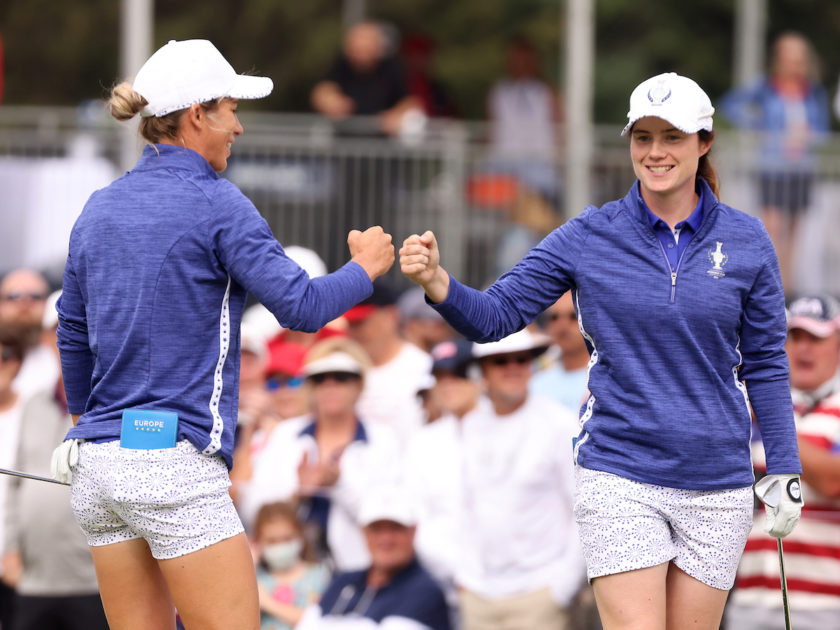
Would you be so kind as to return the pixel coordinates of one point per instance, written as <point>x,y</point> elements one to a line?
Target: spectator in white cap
<point>172,237</point>
<point>328,459</point>
<point>681,303</point>
<point>394,591</point>
<point>812,564</point>
<point>519,563</point>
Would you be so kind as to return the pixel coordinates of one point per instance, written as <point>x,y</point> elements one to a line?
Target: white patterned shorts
<point>175,498</point>
<point>626,525</point>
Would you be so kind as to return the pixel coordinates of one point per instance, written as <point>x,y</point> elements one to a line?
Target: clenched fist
<point>420,262</point>
<point>372,249</point>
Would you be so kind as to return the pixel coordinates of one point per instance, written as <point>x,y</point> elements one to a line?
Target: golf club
<point>784,584</point>
<point>23,475</point>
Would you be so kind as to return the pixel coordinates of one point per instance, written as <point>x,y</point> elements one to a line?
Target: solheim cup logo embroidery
<point>718,259</point>
<point>660,93</point>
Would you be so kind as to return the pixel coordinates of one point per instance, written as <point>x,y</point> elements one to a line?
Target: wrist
<point>438,287</point>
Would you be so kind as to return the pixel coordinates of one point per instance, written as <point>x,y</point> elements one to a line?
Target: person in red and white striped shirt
<point>812,550</point>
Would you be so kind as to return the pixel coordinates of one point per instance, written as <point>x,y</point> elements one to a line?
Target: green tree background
<point>63,53</point>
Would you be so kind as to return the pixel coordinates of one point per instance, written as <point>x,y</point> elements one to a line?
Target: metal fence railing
<point>314,181</point>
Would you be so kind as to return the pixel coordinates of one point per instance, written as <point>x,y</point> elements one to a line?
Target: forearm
<point>309,307</point>
<point>325,98</point>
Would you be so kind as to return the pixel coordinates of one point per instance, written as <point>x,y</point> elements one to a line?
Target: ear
<point>705,145</point>
<point>194,116</point>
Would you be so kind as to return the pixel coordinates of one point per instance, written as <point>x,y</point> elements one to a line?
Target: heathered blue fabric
<point>149,262</point>
<point>665,407</point>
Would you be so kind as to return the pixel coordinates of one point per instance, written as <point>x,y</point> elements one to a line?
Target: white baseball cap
<point>192,71</point>
<point>387,504</point>
<point>521,341</point>
<point>334,362</point>
<point>674,98</point>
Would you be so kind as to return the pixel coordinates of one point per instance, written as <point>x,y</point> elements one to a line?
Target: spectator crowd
<point>382,478</point>
<point>386,470</point>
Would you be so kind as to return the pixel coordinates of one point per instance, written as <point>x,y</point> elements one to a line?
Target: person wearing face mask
<point>287,582</point>
<point>159,266</point>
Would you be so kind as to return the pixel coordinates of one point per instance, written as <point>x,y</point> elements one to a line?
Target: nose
<point>238,130</point>
<point>657,148</point>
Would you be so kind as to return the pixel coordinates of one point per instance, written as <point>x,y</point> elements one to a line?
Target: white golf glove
<point>64,457</point>
<point>782,498</point>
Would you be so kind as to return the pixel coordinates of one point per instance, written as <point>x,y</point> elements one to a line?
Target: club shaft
<point>784,583</point>
<point>23,475</point>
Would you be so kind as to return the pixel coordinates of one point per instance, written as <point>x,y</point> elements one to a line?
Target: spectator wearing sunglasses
<point>23,298</point>
<point>564,379</point>
<point>327,460</point>
<point>520,555</point>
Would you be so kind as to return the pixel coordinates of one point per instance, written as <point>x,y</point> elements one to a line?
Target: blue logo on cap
<point>658,94</point>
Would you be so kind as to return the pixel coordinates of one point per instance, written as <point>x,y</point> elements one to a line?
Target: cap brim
<point>359,313</point>
<point>401,520</point>
<point>683,128</point>
<point>248,87</point>
<point>817,328</point>
<point>336,362</point>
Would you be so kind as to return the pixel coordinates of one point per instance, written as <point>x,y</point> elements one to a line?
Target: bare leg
<point>692,604</point>
<point>132,587</point>
<point>215,588</point>
<point>633,600</point>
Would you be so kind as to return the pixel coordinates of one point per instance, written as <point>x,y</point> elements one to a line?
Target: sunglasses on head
<point>19,296</point>
<point>273,383</point>
<point>338,377</point>
<point>505,359</point>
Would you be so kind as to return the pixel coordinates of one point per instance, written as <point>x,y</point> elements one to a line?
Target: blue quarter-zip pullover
<point>159,266</point>
<point>673,354</point>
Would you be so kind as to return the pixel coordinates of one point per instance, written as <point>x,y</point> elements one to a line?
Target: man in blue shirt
<point>395,591</point>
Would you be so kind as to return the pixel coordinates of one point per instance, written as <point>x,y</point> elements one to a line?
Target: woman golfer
<point>158,269</point>
<point>681,304</point>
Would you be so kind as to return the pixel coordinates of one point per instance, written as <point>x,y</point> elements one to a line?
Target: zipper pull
<point>673,279</point>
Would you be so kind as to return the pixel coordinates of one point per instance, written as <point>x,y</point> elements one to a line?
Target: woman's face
<point>288,395</point>
<point>791,58</point>
<point>219,130</point>
<point>664,158</point>
<point>277,530</point>
<point>335,393</point>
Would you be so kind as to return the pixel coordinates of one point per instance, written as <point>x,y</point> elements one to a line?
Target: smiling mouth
<point>659,169</point>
